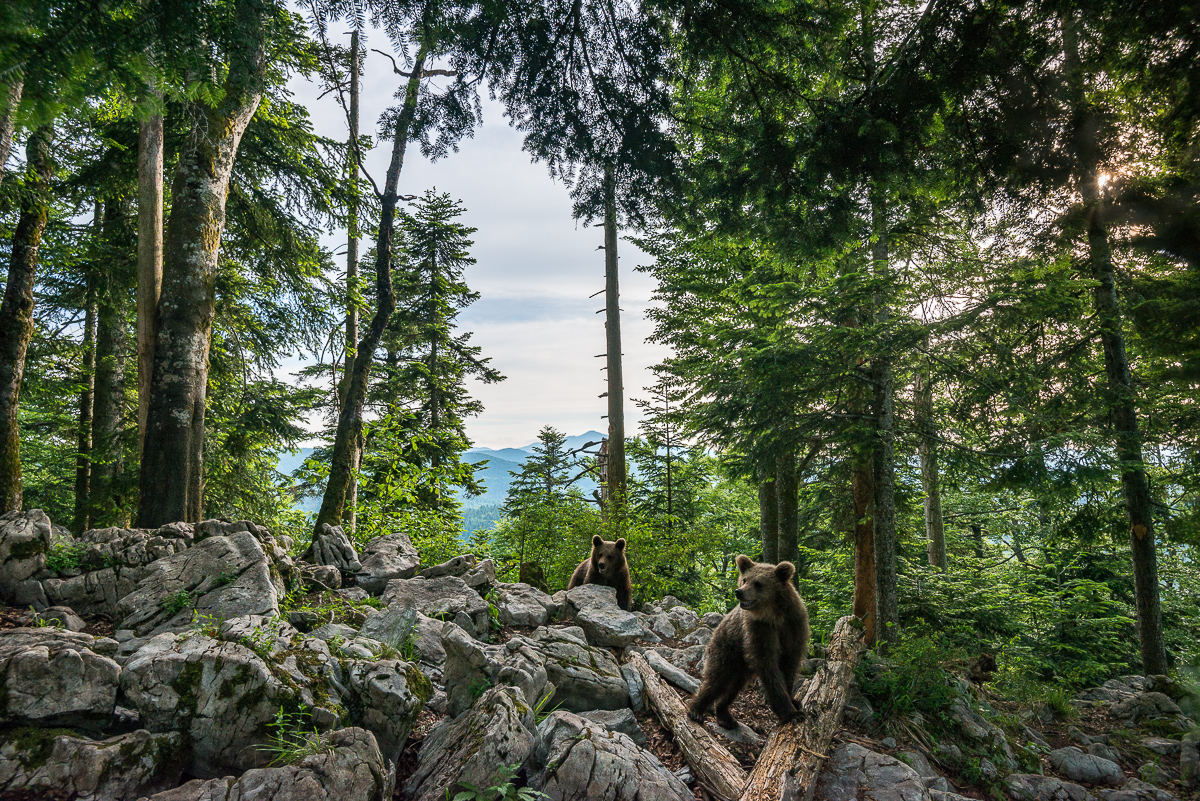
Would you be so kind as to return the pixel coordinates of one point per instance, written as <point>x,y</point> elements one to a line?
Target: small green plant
<point>501,789</point>
<point>203,626</point>
<point>408,648</point>
<point>65,556</point>
<point>40,622</point>
<point>226,577</point>
<point>288,743</point>
<point>493,612</point>
<point>176,602</point>
<point>912,679</point>
<point>540,712</point>
<point>479,688</point>
<point>1059,703</point>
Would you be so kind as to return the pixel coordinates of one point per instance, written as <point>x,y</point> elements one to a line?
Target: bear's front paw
<point>726,721</point>
<point>795,716</point>
<point>696,714</point>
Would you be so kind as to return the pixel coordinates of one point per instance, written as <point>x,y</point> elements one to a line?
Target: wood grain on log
<point>714,767</point>
<point>788,767</point>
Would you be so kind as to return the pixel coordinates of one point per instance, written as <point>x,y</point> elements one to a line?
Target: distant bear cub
<point>766,635</point>
<point>606,566</point>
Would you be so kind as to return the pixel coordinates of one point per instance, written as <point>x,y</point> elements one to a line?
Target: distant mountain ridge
<point>495,475</point>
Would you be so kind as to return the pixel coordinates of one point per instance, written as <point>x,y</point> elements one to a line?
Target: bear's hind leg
<point>728,696</point>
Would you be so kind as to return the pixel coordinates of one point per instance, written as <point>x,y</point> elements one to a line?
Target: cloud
<point>536,268</point>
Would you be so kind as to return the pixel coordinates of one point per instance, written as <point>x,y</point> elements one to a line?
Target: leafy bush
<point>913,678</point>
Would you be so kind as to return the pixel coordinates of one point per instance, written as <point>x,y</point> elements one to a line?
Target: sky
<point>536,267</point>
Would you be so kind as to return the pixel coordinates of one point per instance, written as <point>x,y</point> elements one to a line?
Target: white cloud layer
<point>536,268</point>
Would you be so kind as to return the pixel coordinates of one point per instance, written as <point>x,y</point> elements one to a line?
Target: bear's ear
<point>744,563</point>
<point>621,544</point>
<point>784,572</point>
<point>597,541</point>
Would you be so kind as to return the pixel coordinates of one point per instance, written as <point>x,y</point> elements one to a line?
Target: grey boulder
<point>618,720</point>
<point>221,695</point>
<point>497,731</point>
<point>221,577</point>
<point>853,772</point>
<point>120,768</point>
<point>585,678</point>
<point>576,759</point>
<point>53,677</point>
<point>347,767</point>
<point>594,608</point>
<point>458,567</point>
<point>472,667</point>
<point>388,695</point>
<point>523,605</point>
<point>24,539</point>
<point>1035,787</point>
<point>391,556</point>
<point>444,598</point>
<point>1074,764</point>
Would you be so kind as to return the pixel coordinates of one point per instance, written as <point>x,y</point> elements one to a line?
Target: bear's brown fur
<point>606,566</point>
<point>766,635</point>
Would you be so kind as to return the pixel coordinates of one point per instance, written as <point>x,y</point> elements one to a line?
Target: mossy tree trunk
<point>16,311</point>
<point>172,468</point>
<point>768,517</point>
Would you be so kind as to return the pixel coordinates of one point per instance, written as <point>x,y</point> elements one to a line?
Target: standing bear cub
<point>765,635</point>
<point>606,566</point>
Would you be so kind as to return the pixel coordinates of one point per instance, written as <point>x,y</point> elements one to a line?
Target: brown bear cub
<point>766,635</point>
<point>606,566</point>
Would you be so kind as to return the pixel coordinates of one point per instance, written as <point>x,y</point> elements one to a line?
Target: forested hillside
<point>927,276</point>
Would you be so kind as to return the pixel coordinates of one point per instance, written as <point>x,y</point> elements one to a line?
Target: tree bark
<point>716,770</point>
<point>16,311</point>
<point>791,761</point>
<point>106,505</point>
<point>349,430</point>
<point>612,330</point>
<point>768,517</point>
<point>352,274</point>
<point>887,624</point>
<point>1121,395</point>
<point>83,436</point>
<point>172,468</point>
<point>787,490</point>
<point>10,99</point>
<point>977,538</point>
<point>862,486</point>
<point>149,256</point>
<point>935,532</point>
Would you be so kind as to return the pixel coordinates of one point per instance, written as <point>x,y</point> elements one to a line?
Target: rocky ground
<point>204,661</point>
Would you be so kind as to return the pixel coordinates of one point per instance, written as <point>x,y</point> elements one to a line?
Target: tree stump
<point>788,767</point>
<point>717,770</point>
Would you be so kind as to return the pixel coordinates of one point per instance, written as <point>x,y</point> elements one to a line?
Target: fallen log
<point>788,767</point>
<point>717,771</point>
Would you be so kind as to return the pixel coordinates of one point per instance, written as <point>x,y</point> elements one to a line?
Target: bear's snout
<point>738,593</point>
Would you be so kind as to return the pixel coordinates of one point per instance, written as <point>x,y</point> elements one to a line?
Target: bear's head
<point>608,557</point>
<point>760,584</point>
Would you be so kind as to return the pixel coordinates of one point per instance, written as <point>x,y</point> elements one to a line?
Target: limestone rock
<point>585,678</point>
<point>1161,746</point>
<point>700,636</point>
<point>52,677</point>
<point>576,759</point>
<point>1145,706</point>
<point>853,772</point>
<point>482,577</point>
<point>523,605</point>
<point>1074,764</point>
<point>594,608</point>
<point>472,667</point>
<point>618,720</point>
<point>24,539</point>
<point>1104,752</point>
<point>348,768</point>
<point>712,619</point>
<point>221,577</point>
<point>1034,787</point>
<point>472,748</point>
<point>458,567</point>
<point>1189,762</point>
<point>391,556</point>
<point>319,578</point>
<point>636,687</point>
<point>62,617</point>
<point>445,598</point>
<point>333,548</point>
<point>120,768</point>
<point>1135,790</point>
<point>388,694</point>
<point>220,695</point>
<point>689,659</point>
